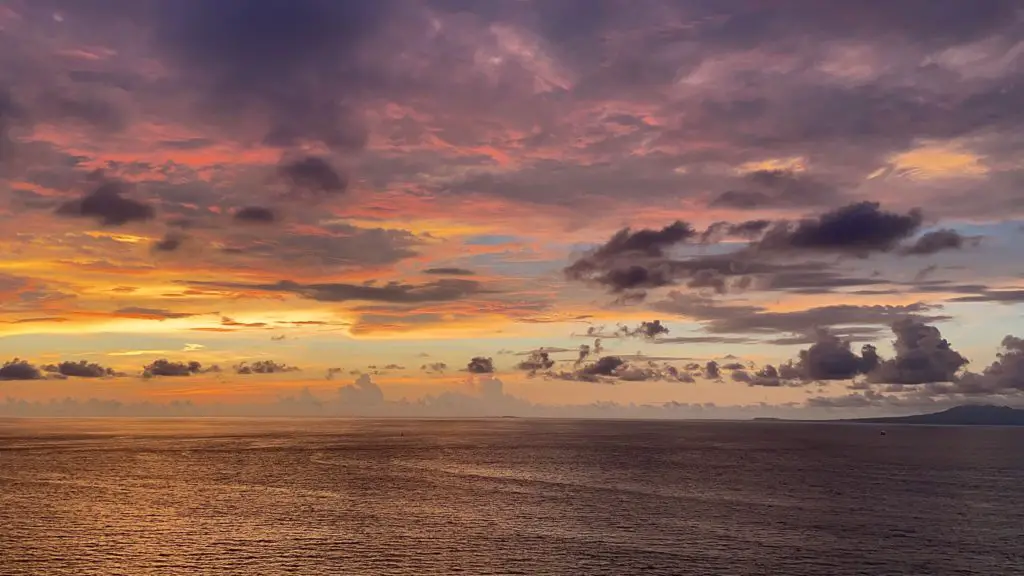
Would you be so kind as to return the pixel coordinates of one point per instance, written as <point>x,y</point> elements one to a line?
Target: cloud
<point>255,215</point>
<point>922,356</point>
<point>537,361</point>
<point>649,330</point>
<point>1004,375</point>
<point>449,272</point>
<point>444,290</point>
<point>312,176</point>
<point>434,368</point>
<point>18,369</point>
<point>299,64</point>
<point>107,205</point>
<point>152,313</point>
<point>749,230</point>
<point>935,241</point>
<point>630,263</point>
<point>169,243</point>
<point>80,369</point>
<point>857,229</point>
<point>480,365</point>
<point>712,370</point>
<point>830,358</point>
<point>363,392</point>
<point>164,367</point>
<point>774,189</point>
<point>263,367</point>
<point>850,319</point>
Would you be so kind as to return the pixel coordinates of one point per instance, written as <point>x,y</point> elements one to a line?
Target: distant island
<point>966,415</point>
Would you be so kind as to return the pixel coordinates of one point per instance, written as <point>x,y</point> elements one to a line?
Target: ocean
<point>507,496</point>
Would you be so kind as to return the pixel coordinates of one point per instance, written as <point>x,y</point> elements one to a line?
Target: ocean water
<point>508,496</point>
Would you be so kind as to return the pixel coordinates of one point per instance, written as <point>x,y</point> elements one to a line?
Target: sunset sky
<point>370,195</point>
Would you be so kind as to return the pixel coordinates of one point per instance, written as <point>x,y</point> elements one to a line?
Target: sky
<point>643,208</point>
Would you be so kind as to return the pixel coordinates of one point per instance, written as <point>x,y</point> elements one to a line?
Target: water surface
<point>510,496</point>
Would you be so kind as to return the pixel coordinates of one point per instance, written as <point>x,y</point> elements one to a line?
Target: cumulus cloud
<point>831,358</point>
<point>18,369</point>
<point>922,356</point>
<point>263,367</point>
<point>480,365</point>
<point>108,205</point>
<point>537,361</point>
<point>363,392</point>
<point>164,367</point>
<point>80,369</point>
<point>1004,376</point>
<point>712,371</point>
<point>648,330</point>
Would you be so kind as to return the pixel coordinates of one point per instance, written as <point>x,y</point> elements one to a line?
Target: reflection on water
<point>247,497</point>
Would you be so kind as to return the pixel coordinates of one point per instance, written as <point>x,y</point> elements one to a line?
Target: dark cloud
<point>830,358</point>
<point>749,230</point>
<point>164,367</point>
<point>537,361</point>
<point>935,241</point>
<point>480,365</point>
<point>648,330</point>
<point>445,290</point>
<point>255,215</point>
<point>298,64</point>
<point>922,356</point>
<point>449,272</point>
<point>169,243</point>
<point>263,367</point>
<point>107,204</point>
<point>605,366</point>
<point>645,242</point>
<point>609,264</point>
<point>857,229</point>
<point>80,369</point>
<point>733,366</point>
<point>18,369</point>
<point>631,263</point>
<point>312,176</point>
<point>712,370</point>
<point>776,189</point>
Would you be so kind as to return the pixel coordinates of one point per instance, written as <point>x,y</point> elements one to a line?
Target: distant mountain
<point>968,415</point>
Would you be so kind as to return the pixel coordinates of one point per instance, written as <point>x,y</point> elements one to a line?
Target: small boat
<point>883,432</point>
